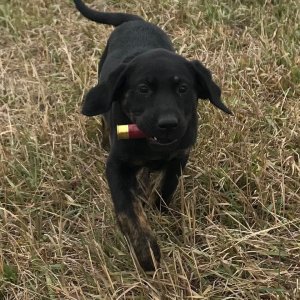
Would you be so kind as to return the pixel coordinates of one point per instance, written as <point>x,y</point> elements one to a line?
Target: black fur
<point>143,81</point>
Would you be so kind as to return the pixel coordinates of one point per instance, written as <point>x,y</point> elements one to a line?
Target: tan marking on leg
<point>140,236</point>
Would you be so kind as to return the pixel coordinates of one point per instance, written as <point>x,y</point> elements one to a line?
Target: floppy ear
<point>207,88</point>
<point>99,98</point>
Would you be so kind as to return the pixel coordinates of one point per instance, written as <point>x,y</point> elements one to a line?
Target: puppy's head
<point>158,91</point>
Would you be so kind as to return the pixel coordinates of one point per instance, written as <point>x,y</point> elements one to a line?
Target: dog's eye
<point>143,89</point>
<point>182,88</point>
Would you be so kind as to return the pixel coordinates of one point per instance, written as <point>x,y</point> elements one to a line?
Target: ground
<point>234,228</point>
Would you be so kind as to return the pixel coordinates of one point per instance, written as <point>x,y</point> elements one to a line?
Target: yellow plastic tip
<point>123,131</point>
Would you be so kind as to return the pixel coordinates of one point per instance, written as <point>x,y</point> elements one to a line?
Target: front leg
<point>169,182</point>
<point>129,212</point>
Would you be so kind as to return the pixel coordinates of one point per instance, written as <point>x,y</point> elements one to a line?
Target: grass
<point>234,230</point>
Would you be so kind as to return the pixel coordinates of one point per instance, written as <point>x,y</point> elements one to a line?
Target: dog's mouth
<point>163,142</point>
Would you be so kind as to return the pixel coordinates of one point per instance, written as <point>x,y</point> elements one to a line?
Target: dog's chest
<point>157,161</point>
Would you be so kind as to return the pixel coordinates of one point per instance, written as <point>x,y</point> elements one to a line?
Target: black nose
<point>168,122</point>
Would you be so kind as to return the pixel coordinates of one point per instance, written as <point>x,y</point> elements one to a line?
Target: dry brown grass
<point>235,230</point>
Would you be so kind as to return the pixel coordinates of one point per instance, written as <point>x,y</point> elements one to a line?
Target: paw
<point>147,251</point>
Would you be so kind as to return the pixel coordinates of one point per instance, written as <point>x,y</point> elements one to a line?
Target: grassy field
<point>234,229</point>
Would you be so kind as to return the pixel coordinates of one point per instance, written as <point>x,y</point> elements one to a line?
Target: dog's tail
<point>114,19</point>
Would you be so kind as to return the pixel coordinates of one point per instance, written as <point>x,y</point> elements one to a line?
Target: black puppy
<point>143,81</point>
